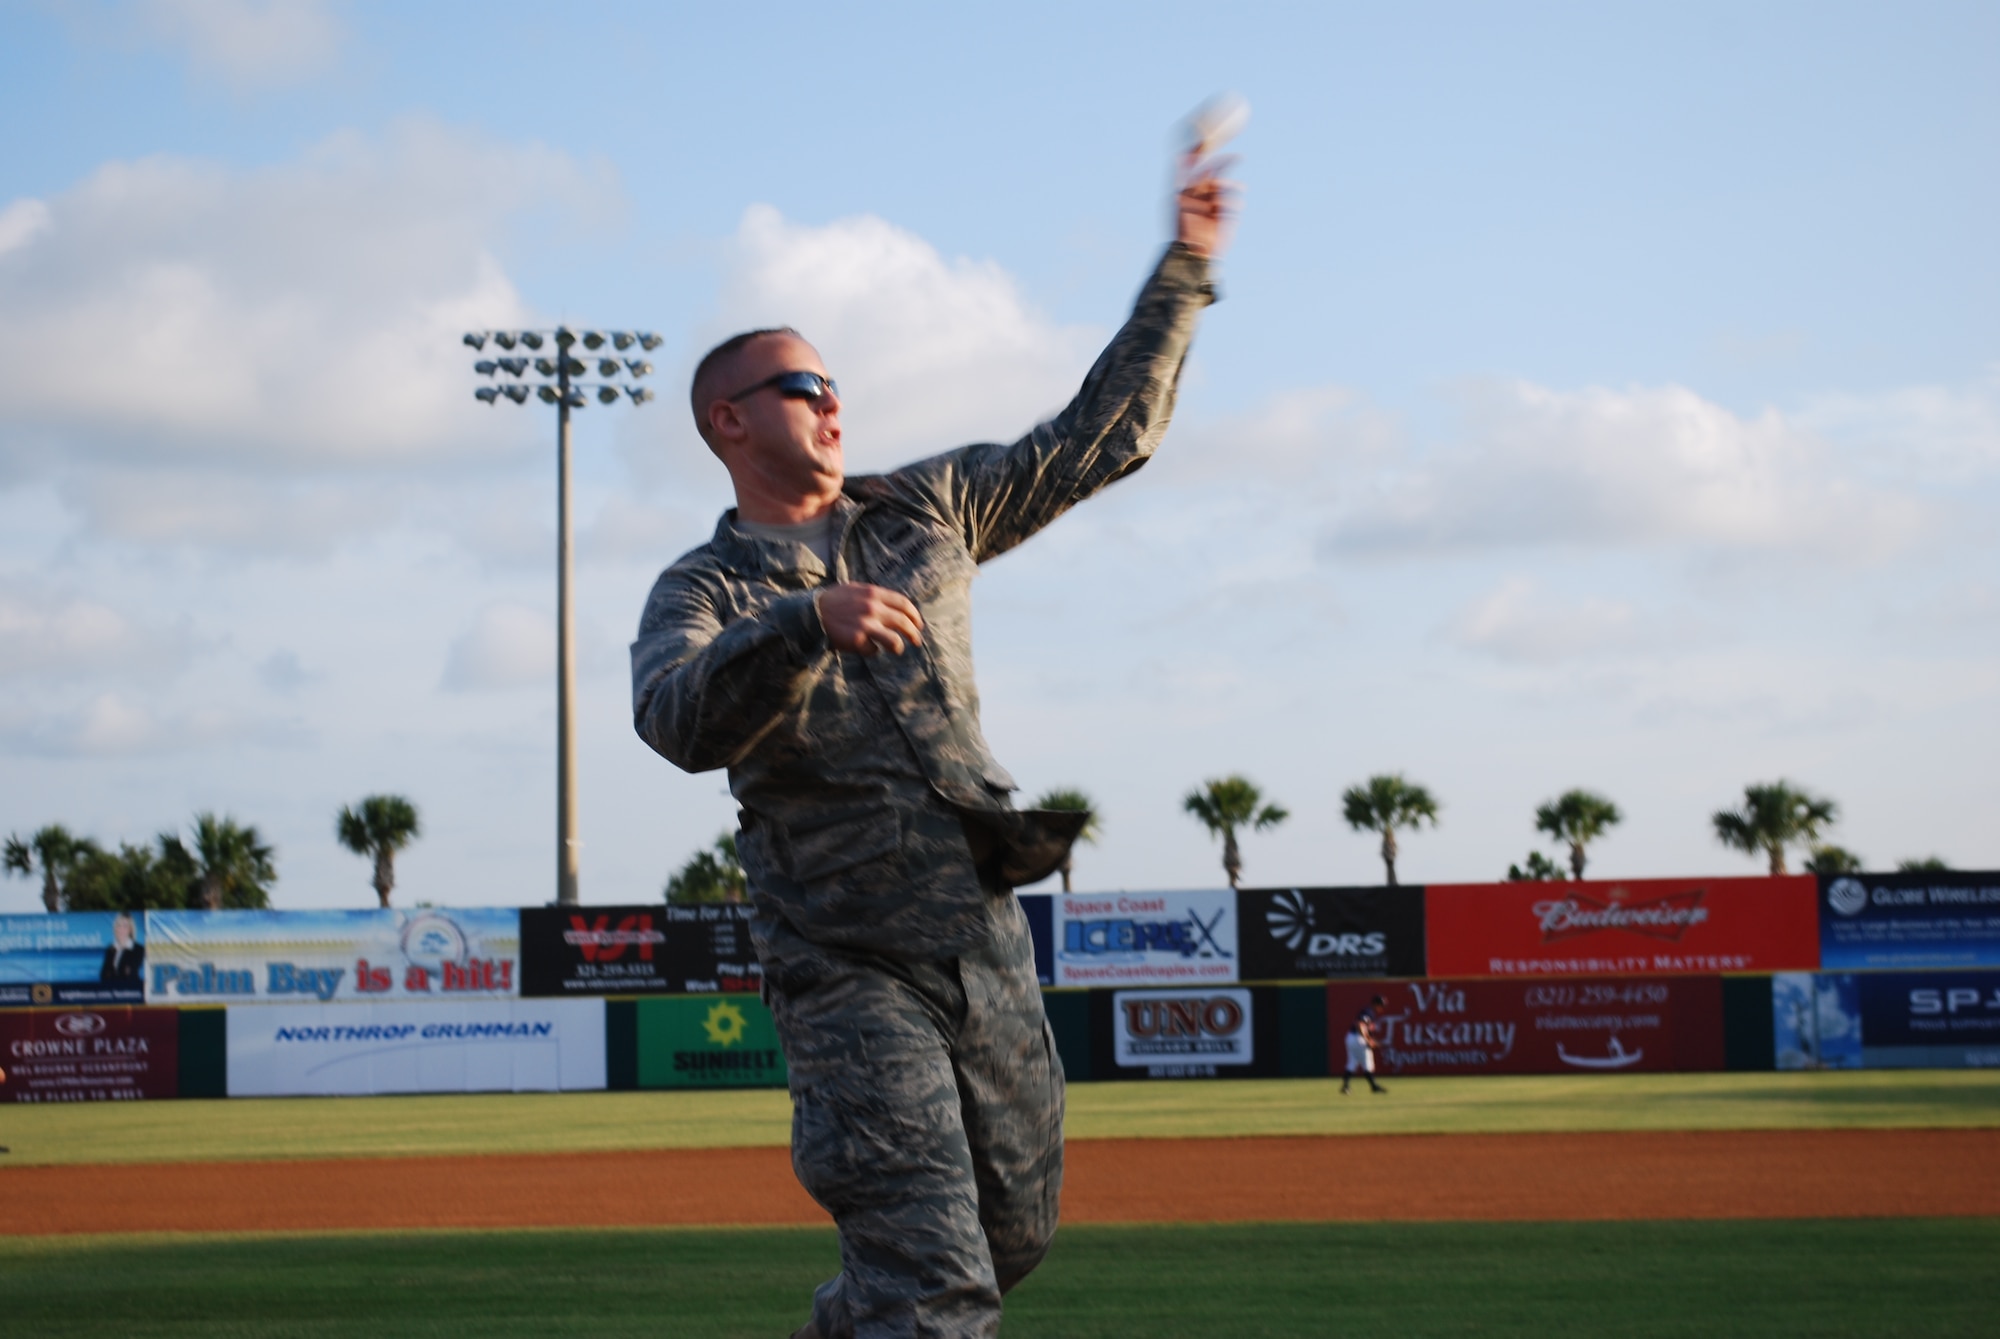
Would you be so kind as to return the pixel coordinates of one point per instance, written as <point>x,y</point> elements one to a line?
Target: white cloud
<point>507,646</point>
<point>46,634</point>
<point>166,311</point>
<point>247,44</point>
<point>114,725</point>
<point>1943,434</point>
<point>1516,622</point>
<point>930,353</point>
<point>1646,467</point>
<point>20,222</point>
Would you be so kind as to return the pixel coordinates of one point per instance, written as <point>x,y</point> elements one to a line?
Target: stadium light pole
<point>559,381</point>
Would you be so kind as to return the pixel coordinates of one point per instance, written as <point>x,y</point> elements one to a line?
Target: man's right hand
<point>867,619</point>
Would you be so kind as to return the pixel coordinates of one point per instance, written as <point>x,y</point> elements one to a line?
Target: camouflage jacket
<point>874,816</point>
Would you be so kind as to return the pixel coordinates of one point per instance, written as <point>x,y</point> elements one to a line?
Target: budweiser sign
<point>1644,926</point>
<point>1666,918</point>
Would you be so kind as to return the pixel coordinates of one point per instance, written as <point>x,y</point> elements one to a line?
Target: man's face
<point>793,444</point>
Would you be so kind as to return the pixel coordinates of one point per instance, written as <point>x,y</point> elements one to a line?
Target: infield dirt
<point>1494,1178</point>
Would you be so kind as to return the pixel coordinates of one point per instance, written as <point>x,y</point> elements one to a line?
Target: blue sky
<point>1603,395</point>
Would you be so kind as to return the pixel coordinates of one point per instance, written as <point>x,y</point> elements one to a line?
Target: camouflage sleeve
<point>706,688</point>
<point>999,495</point>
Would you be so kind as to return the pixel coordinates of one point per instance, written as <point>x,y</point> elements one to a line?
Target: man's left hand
<point>1205,209</point>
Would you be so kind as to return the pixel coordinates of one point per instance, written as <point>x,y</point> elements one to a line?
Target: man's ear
<point>726,427</point>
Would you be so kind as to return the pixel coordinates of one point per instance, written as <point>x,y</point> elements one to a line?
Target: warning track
<point>1494,1178</point>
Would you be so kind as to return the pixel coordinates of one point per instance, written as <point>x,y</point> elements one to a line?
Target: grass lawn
<point>554,1122</point>
<point>1882,1277</point>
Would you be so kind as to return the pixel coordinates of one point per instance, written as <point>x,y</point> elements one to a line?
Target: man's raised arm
<point>999,495</point>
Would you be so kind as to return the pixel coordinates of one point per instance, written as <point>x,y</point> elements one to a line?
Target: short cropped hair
<point>703,390</point>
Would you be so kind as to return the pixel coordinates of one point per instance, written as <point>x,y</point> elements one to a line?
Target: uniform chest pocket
<point>922,564</point>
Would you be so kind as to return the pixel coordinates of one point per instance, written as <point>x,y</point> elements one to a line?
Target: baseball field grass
<point>583,1122</point>
<point>1932,1277</point>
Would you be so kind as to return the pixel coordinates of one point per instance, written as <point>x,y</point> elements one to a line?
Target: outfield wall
<point>1877,970</point>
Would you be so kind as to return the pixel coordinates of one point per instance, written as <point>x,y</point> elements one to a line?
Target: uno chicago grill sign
<point>1645,926</point>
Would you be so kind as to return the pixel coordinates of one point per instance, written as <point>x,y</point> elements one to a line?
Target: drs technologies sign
<point>1145,938</point>
<point>1294,933</point>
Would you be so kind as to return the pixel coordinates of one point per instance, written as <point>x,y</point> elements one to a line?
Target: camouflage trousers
<point>927,1108</point>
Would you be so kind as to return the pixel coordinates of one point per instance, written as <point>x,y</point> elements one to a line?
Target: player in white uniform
<point>1361,1041</point>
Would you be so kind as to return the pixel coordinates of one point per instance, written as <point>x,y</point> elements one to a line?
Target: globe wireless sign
<point>1316,933</point>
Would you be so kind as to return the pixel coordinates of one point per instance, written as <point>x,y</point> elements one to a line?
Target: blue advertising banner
<point>320,957</point>
<point>83,957</point>
<point>1040,910</point>
<point>1918,919</point>
<point>1929,1020</point>
<point>1145,939</point>
<point>1816,1020</point>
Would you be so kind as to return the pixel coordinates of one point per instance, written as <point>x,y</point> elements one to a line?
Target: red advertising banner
<point>114,1054</point>
<point>1608,1025</point>
<point>1593,928</point>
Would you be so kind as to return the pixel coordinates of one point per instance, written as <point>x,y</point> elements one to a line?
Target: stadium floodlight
<point>560,384</point>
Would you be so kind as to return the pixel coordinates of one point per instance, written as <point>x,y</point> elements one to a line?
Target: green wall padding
<point>204,1052</point>
<point>1069,1021</point>
<point>1302,1032</point>
<point>1747,1043</point>
<point>621,1045</point>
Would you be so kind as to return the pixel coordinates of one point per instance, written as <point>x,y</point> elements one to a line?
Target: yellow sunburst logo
<point>724,1024</point>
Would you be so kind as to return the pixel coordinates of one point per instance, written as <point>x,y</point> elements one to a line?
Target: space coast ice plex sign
<point>1136,939</point>
<point>315,957</point>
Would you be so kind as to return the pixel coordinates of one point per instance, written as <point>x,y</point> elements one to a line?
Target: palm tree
<point>1833,860</point>
<point>1774,815</point>
<point>232,866</point>
<point>1930,864</point>
<point>1386,803</point>
<point>1223,805</point>
<point>1539,869</point>
<point>378,827</point>
<point>713,875</point>
<point>56,852</point>
<point>1072,802</point>
<point>1578,817</point>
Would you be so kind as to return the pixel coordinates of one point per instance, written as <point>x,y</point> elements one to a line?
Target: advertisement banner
<point>1942,919</point>
<point>1594,928</point>
<point>78,957</point>
<point>1929,1020</point>
<point>1185,1032</point>
<point>317,957</point>
<point>649,949</point>
<point>716,1041</point>
<point>463,1046</point>
<point>1040,911</point>
<point>1815,1021</point>
<point>1534,1027</point>
<point>1291,934</point>
<point>1140,939</point>
<point>112,1054</point>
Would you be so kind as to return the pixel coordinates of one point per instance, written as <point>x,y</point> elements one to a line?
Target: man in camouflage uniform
<point>819,647</point>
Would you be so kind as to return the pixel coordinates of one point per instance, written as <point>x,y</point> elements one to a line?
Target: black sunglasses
<point>793,386</point>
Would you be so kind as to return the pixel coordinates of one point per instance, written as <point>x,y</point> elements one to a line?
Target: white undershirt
<point>816,535</point>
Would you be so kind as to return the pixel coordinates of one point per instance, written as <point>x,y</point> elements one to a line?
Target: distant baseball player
<point>819,647</point>
<point>1363,1037</point>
